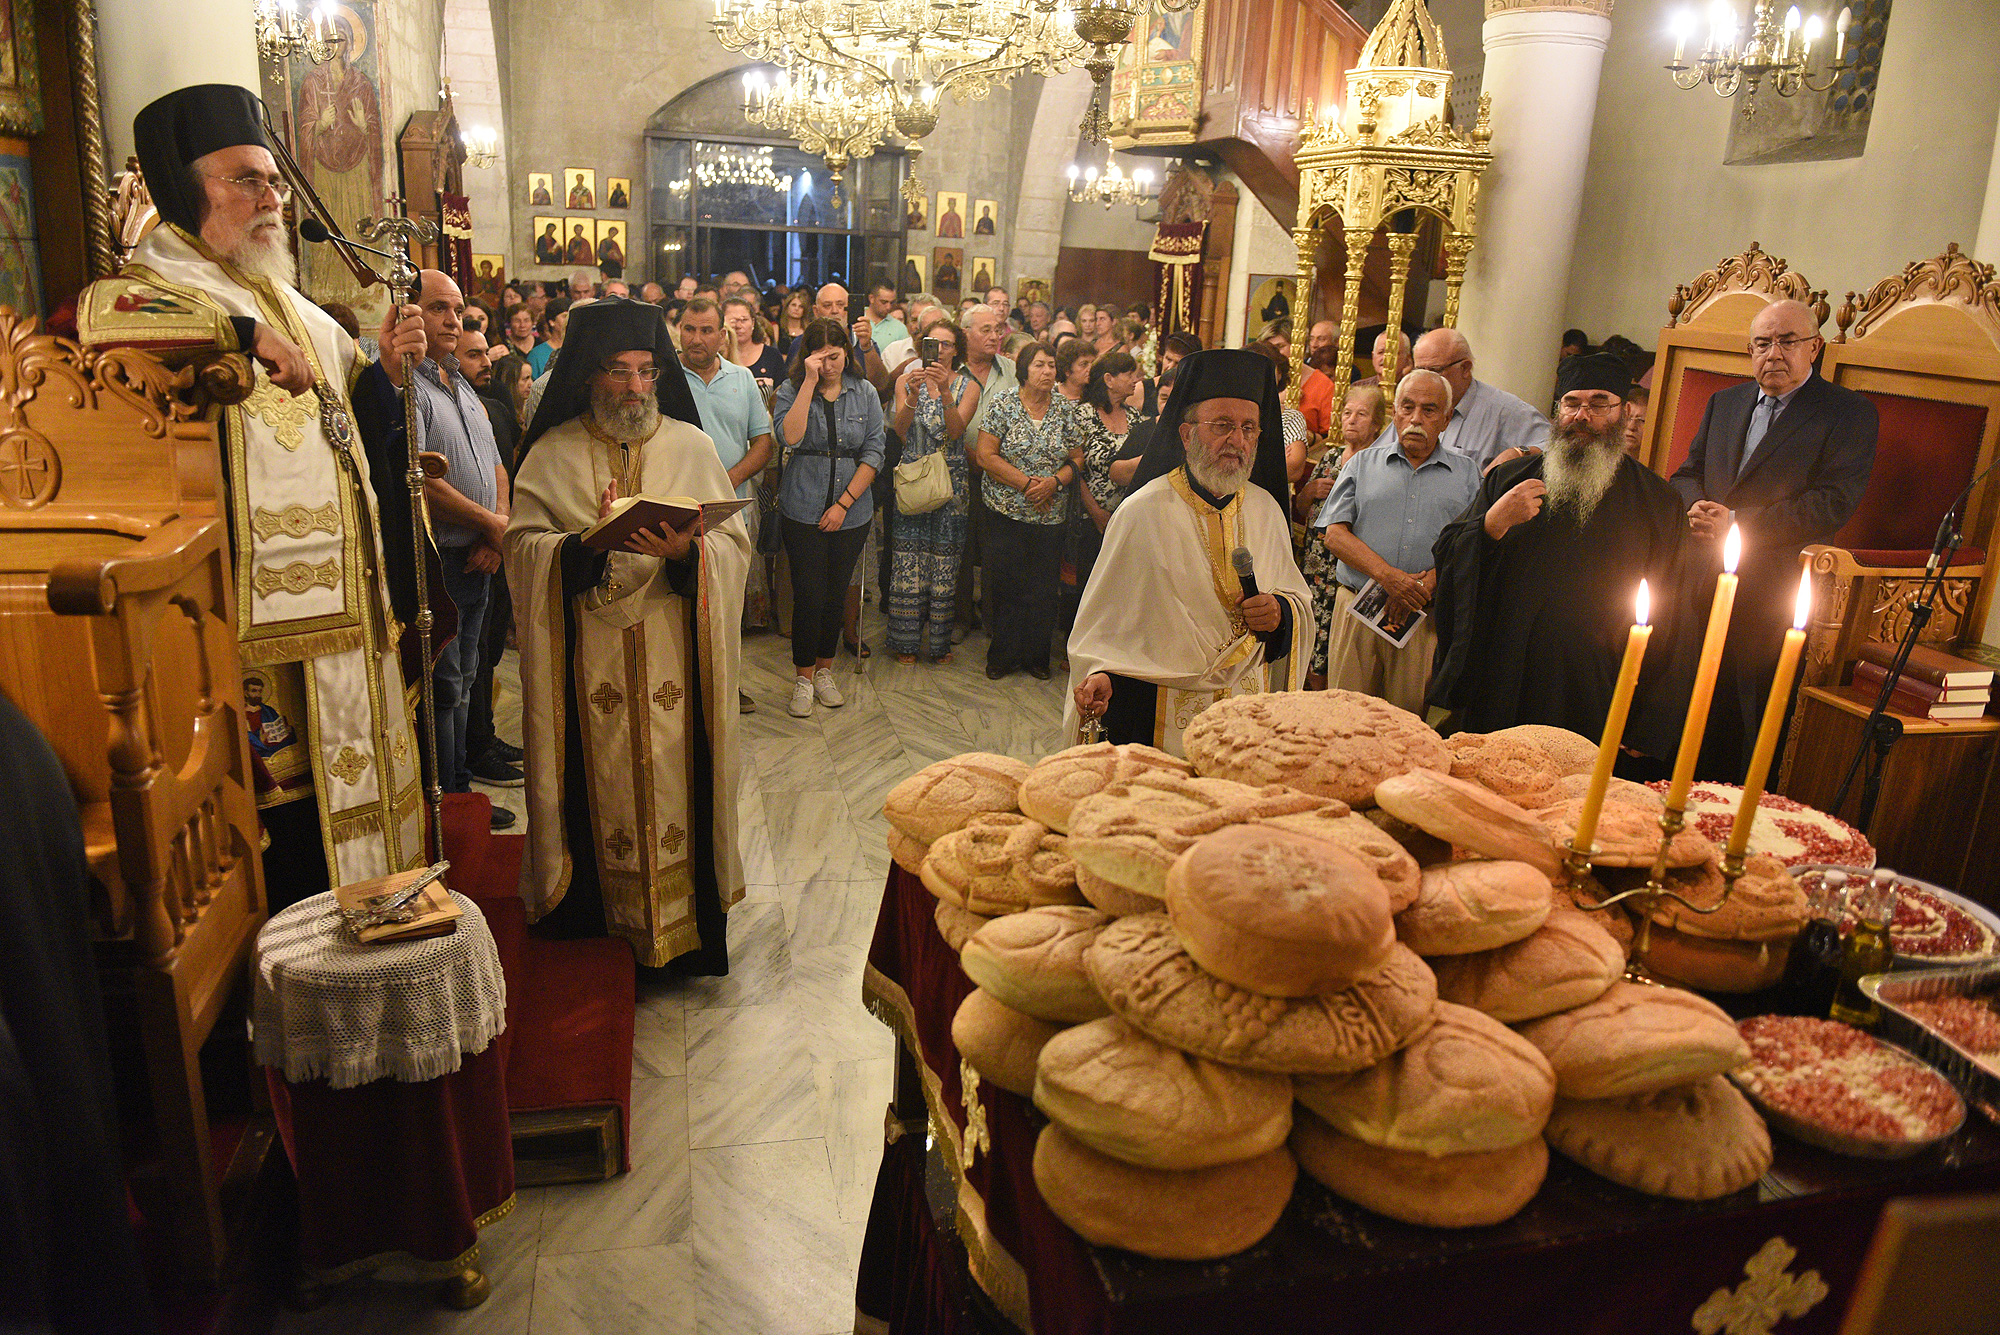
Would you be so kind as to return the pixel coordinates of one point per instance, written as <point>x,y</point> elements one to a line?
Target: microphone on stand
<point>1246,574</point>
<point>312,229</point>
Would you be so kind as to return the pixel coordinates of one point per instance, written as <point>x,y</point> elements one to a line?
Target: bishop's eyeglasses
<point>253,187</point>
<point>625,375</point>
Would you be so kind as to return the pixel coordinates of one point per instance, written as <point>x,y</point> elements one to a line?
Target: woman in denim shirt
<point>924,550</point>
<point>823,496</point>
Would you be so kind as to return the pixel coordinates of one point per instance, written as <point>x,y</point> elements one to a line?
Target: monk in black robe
<point>1537,579</point>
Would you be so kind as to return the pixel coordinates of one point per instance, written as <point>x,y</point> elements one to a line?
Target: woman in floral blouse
<point>1105,423</point>
<point>1362,415</point>
<point>1023,450</point>
<point>924,549</point>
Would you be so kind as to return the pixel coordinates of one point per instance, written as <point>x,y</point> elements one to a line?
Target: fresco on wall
<point>1156,85</point>
<point>1816,127</point>
<point>338,137</point>
<point>20,250</point>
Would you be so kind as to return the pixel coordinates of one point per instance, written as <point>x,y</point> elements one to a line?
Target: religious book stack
<point>1934,684</point>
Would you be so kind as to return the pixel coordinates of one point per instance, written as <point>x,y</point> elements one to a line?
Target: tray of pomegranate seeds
<point>1951,1017</point>
<point>1833,1086</point>
<point>1932,927</point>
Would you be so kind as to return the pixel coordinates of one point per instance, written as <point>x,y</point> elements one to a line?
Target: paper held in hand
<point>1393,621</point>
<point>629,514</point>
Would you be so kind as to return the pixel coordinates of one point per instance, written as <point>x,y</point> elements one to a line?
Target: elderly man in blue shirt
<point>735,418</point>
<point>1383,518</point>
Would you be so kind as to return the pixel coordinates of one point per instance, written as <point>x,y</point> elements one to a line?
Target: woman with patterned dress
<point>924,550</point>
<point>1105,422</point>
<point>1362,415</point>
<point>1023,450</point>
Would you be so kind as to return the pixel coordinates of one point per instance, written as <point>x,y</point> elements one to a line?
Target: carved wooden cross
<point>30,467</point>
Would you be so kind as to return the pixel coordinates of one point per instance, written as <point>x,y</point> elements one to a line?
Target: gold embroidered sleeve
<point>131,312</point>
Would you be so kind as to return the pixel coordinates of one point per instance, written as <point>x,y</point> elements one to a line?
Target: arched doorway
<point>723,194</point>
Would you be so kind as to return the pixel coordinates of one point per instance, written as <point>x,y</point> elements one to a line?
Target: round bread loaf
<point>1152,983</point>
<point>1054,787</point>
<point>942,797</point>
<point>1033,962</point>
<point>1627,835</point>
<point>1135,1099</point>
<point>1469,817</point>
<point>1635,1039</point>
<point>1570,752</point>
<point>1614,920</point>
<point>1130,833</point>
<point>1465,907</point>
<point>1109,897</point>
<point>956,925</point>
<point>1362,837</point>
<point>1565,962</point>
<point>1743,945</point>
<point>1197,1215</point>
<point>1001,863</point>
<point>1514,769</point>
<point>1424,849</point>
<point>1468,1084</point>
<point>1279,913</point>
<point>1441,1191</point>
<point>1693,1142</point>
<point>1335,743</point>
<point>1572,787</point>
<point>1000,1042</point>
<point>906,852</point>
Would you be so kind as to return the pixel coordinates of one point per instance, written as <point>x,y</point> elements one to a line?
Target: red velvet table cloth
<point>1586,1257</point>
<point>399,1170</point>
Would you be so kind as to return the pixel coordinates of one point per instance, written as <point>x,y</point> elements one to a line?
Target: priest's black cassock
<point>1532,626</point>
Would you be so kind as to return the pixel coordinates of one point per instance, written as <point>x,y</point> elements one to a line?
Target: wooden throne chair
<point>116,639</point>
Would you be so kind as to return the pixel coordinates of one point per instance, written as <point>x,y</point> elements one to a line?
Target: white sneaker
<point>823,687</point>
<point>802,698</point>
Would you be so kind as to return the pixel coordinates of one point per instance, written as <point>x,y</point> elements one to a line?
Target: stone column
<point>147,48</point>
<point>1543,58</point>
<point>1042,199</point>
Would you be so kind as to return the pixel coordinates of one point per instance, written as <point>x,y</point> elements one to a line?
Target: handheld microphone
<point>312,229</point>
<point>1246,574</point>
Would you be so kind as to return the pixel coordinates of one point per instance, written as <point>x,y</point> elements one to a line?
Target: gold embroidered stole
<point>1238,662</point>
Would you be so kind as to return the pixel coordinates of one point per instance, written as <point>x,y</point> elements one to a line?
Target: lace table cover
<point>328,1007</point>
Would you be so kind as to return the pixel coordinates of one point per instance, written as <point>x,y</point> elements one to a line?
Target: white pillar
<point>148,48</point>
<point>475,88</point>
<point>1042,200</point>
<point>1542,68</point>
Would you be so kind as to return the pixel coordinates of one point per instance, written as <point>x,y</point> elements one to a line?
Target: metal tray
<point>1978,1083</point>
<point>1956,900</point>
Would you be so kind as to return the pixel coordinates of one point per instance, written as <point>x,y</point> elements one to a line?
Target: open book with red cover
<point>629,514</point>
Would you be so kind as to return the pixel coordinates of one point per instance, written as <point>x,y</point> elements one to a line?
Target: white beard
<point>1215,480</point>
<point>1578,467</point>
<point>622,420</point>
<point>262,253</point>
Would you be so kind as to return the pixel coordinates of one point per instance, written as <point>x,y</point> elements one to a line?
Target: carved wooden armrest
<point>91,586</point>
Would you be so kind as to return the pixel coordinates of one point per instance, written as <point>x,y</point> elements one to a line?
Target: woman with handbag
<point>928,537</point>
<point>830,428</point>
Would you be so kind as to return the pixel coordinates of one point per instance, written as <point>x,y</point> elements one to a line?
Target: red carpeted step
<point>468,831</point>
<point>573,1029</point>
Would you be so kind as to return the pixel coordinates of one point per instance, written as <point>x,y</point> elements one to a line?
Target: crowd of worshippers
<point>1039,418</point>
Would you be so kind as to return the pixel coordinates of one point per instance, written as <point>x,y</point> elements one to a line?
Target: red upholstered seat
<point>570,1004</point>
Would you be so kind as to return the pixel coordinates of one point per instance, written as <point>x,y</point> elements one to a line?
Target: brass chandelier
<point>1773,53</point>
<point>1110,187</point>
<point>284,35</point>
<point>832,112</point>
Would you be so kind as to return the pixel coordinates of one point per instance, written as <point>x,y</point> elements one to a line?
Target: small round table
<point>387,1070</point>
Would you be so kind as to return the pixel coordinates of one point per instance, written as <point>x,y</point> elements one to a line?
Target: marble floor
<point>757,1099</point>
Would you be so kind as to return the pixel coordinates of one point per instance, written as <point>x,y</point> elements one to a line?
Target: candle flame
<point>1803,608</point>
<point>1645,603</point>
<point>1732,548</point>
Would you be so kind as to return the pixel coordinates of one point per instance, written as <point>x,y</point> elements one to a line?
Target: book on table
<point>629,514</point>
<point>1931,664</point>
<point>432,913</point>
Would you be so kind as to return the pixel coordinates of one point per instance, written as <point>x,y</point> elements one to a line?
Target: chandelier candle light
<point>1780,53</point>
<point>1112,187</point>
<point>282,36</point>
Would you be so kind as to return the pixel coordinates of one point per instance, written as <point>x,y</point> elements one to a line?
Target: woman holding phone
<point>830,429</point>
<point>924,550</point>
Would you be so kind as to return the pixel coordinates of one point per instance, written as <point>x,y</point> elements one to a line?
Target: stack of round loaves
<point>1210,974</point>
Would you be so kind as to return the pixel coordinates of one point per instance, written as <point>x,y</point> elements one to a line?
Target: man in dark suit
<point>1789,455</point>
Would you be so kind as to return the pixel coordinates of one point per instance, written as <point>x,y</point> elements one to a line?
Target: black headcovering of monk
<point>1597,370</point>
<point>1222,373</point>
<point>177,130</point>
<point>598,332</point>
